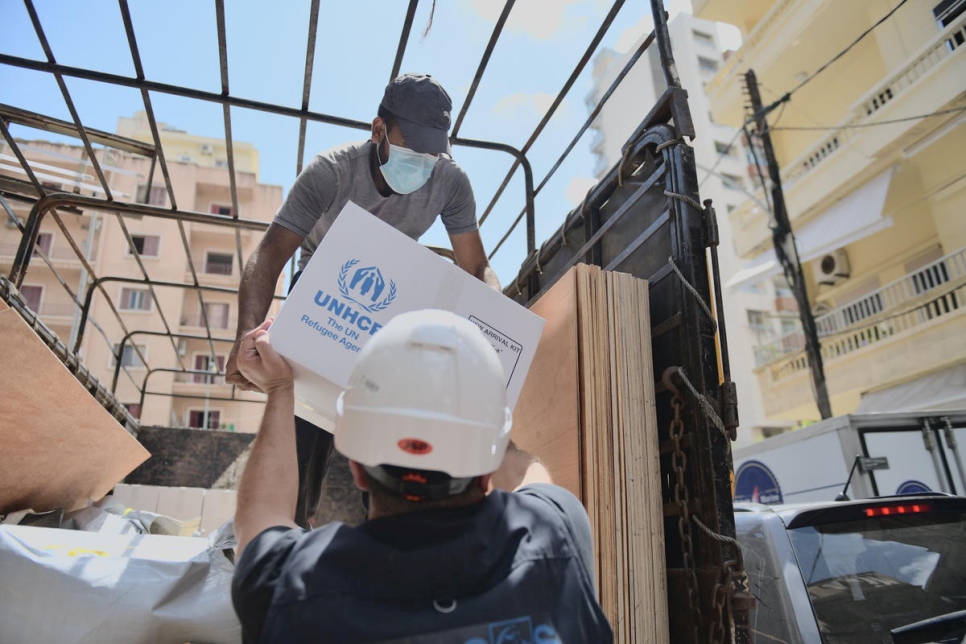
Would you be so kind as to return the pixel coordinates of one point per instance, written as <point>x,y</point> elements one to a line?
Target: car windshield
<point>868,577</point>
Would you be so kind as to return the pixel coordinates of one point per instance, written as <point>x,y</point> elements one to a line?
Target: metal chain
<point>679,462</point>
<point>732,580</point>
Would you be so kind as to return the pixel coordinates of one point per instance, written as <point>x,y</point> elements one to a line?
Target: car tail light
<point>892,510</point>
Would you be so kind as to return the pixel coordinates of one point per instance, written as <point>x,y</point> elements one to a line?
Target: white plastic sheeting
<point>72,586</point>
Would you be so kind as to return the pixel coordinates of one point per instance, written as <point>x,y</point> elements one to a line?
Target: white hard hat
<point>427,392</point>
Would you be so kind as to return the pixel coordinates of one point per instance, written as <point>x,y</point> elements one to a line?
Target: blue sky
<point>356,45</point>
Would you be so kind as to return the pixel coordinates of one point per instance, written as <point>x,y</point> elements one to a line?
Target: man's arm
<point>268,488</point>
<point>519,469</point>
<point>470,256</point>
<point>257,288</point>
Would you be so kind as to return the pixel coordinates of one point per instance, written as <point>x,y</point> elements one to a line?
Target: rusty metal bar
<point>404,38</point>
<point>148,109</point>
<point>81,130</point>
<point>307,80</point>
<point>608,20</point>
<point>590,119</point>
<point>490,46</point>
<point>57,126</point>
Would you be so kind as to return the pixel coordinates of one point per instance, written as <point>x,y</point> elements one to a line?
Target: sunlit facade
<point>873,168</point>
<point>150,359</point>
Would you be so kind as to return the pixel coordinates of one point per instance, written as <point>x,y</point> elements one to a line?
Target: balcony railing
<point>216,323</point>
<point>933,291</point>
<point>56,254</point>
<point>57,309</point>
<point>200,378</point>
<point>891,88</point>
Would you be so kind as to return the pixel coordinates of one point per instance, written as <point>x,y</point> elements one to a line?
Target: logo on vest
<point>365,286</point>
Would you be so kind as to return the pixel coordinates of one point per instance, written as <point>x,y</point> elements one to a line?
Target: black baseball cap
<point>422,108</point>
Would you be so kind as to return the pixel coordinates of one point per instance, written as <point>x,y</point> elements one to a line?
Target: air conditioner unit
<point>207,148</point>
<point>10,223</point>
<point>833,268</point>
<point>182,347</point>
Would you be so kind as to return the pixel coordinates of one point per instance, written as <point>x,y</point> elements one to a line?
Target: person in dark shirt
<point>443,557</point>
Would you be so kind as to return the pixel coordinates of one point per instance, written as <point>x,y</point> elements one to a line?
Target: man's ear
<point>359,476</point>
<point>378,130</point>
<point>484,483</point>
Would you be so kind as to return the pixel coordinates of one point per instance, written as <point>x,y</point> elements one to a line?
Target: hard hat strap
<point>415,485</point>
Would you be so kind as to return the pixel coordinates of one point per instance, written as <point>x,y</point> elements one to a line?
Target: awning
<point>855,217</point>
<point>940,391</point>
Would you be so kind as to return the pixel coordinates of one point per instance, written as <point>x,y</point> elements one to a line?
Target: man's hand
<point>259,363</point>
<point>232,374</point>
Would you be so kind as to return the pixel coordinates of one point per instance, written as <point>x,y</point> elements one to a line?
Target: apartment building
<point>870,146</point>
<point>178,374</point>
<point>750,312</point>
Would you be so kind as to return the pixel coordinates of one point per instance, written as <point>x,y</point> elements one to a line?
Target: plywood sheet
<point>58,447</point>
<point>546,417</point>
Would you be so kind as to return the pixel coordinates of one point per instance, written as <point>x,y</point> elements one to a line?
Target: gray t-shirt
<point>341,174</point>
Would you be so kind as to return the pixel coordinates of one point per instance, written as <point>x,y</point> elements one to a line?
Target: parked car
<point>889,569</point>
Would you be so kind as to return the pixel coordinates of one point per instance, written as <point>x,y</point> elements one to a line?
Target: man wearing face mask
<point>404,175</point>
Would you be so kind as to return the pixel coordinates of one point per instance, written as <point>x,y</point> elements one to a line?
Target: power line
<point>847,49</point>
<point>873,124</point>
<point>785,98</point>
<point>723,154</point>
<point>788,95</point>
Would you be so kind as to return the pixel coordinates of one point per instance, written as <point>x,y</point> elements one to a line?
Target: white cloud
<point>539,19</point>
<point>577,189</point>
<point>518,104</point>
<point>630,36</point>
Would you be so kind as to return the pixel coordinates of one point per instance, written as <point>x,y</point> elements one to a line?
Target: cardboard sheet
<point>546,420</point>
<point>58,447</point>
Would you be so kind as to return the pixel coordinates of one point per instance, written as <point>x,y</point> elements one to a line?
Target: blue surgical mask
<point>406,171</point>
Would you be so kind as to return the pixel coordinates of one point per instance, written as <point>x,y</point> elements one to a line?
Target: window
<point>203,362</point>
<point>707,66</point>
<point>157,197</point>
<point>789,327</point>
<point>146,245</point>
<point>221,210</point>
<point>217,314</point>
<point>702,38</point>
<point>130,356</point>
<point>947,11</point>
<point>134,409</point>
<point>221,163</point>
<point>218,263</point>
<point>32,296</point>
<point>731,181</point>
<point>723,148</point>
<point>135,299</point>
<point>43,243</point>
<point>756,320</point>
<point>197,420</point>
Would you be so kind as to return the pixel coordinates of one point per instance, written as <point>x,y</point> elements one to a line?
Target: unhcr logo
<point>365,286</point>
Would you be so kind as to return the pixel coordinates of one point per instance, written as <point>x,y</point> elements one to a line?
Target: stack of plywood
<point>587,412</point>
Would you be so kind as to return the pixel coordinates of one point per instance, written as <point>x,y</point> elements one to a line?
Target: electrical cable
<point>860,125</point>
<point>847,49</point>
<point>785,98</point>
<point>723,153</point>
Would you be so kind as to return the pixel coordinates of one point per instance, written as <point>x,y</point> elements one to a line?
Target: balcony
<point>936,290</point>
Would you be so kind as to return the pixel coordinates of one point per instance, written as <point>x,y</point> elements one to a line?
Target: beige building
<point>750,313</point>
<point>872,160</point>
<point>166,254</point>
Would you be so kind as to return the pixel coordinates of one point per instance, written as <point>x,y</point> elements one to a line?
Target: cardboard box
<point>363,274</point>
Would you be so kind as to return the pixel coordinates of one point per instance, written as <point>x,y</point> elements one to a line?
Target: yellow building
<point>872,152</point>
<point>169,255</point>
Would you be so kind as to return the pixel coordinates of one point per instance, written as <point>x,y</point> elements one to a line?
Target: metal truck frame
<point>645,218</point>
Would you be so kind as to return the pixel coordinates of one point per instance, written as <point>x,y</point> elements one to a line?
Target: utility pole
<point>786,251</point>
